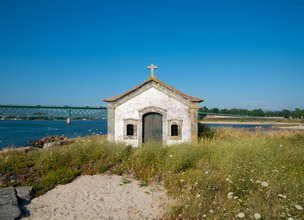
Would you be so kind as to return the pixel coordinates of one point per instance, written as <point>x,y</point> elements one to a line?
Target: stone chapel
<point>153,111</point>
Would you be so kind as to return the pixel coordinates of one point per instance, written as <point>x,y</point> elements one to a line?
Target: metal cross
<point>152,67</point>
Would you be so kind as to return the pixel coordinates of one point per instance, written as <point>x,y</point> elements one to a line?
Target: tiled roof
<point>149,80</point>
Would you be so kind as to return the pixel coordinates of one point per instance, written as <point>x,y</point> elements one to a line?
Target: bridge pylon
<point>69,117</point>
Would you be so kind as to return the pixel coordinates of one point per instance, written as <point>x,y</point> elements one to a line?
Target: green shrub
<point>53,178</point>
<point>183,157</point>
<point>147,162</point>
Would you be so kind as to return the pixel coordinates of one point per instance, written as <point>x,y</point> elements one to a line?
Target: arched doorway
<point>152,127</point>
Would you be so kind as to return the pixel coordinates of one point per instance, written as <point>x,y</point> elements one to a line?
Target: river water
<point>18,133</point>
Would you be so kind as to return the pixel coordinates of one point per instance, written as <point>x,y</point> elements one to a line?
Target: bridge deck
<point>52,112</point>
<point>76,112</point>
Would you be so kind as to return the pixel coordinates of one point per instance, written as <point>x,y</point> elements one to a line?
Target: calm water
<point>18,133</point>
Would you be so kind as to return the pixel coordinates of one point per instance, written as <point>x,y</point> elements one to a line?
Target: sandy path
<point>100,197</point>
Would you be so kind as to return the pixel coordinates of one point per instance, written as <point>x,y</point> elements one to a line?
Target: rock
<point>58,143</point>
<point>23,192</point>
<point>50,141</point>
<point>24,198</point>
<point>9,212</point>
<point>47,145</point>
<point>9,209</point>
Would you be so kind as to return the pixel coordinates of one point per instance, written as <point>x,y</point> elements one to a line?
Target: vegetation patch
<point>230,174</point>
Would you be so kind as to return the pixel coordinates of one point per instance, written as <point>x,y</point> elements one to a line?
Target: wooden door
<point>152,127</point>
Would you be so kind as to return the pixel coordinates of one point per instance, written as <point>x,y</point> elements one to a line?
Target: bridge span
<point>34,112</point>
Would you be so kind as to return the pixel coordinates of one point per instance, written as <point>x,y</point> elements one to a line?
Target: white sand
<point>100,197</point>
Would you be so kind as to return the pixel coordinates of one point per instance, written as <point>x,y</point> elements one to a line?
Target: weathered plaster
<point>111,122</point>
<point>154,96</point>
<point>194,122</point>
<point>157,86</point>
<point>153,99</point>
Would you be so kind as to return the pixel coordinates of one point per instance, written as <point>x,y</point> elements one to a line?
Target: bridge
<point>34,112</point>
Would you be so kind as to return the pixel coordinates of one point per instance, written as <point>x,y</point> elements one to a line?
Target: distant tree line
<point>297,113</point>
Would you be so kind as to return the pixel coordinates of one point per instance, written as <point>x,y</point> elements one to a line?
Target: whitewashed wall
<point>156,98</point>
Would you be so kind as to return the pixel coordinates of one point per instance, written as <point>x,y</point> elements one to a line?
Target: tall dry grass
<point>229,173</point>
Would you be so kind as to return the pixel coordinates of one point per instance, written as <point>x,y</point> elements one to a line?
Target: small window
<point>174,130</point>
<point>130,130</point>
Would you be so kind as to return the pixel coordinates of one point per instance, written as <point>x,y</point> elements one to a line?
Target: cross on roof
<point>152,67</point>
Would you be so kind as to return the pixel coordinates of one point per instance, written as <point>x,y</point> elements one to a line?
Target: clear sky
<point>244,54</point>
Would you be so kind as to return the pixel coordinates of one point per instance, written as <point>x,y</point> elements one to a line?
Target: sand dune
<point>100,197</point>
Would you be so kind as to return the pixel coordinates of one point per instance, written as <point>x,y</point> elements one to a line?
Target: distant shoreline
<point>280,125</point>
<point>249,122</point>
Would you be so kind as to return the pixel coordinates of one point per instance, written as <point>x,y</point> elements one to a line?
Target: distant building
<point>150,111</point>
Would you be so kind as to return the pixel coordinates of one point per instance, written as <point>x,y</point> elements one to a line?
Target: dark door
<point>152,127</point>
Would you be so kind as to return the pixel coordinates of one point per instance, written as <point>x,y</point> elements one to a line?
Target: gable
<point>147,87</point>
<point>151,82</point>
<point>151,98</point>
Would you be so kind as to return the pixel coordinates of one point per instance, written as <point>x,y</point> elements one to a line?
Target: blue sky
<point>244,54</point>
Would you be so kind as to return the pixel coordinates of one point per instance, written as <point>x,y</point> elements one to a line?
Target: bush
<point>183,157</point>
<point>147,162</point>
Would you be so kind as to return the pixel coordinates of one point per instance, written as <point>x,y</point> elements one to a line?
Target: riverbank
<point>291,127</point>
<point>274,124</point>
<point>252,119</point>
<point>248,122</point>
<point>231,171</point>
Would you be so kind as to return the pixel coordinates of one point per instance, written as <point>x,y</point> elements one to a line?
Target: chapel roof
<point>152,79</point>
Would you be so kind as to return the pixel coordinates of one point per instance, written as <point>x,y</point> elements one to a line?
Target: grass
<point>229,172</point>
